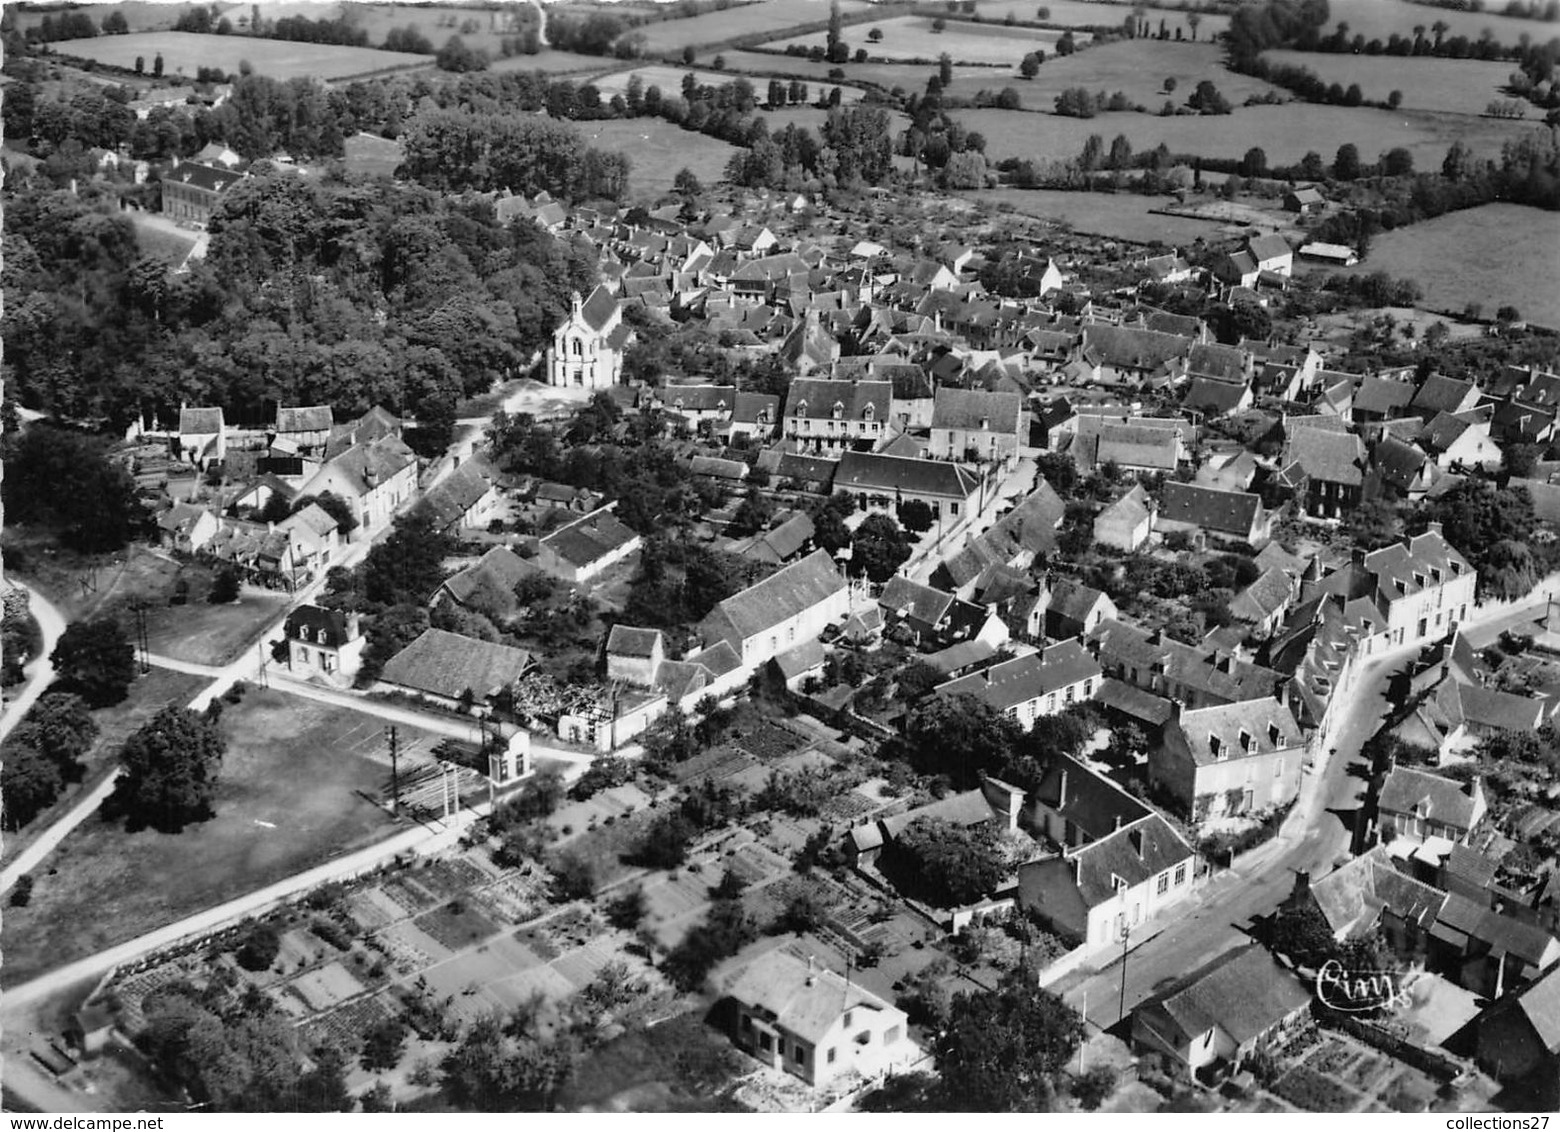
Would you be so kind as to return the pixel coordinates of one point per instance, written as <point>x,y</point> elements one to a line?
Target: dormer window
<point>985,424</point>
<point>1273,733</point>
<point>1216,746</point>
<point>868,412</point>
<point>1245,739</point>
<point>839,410</point>
<point>801,409</point>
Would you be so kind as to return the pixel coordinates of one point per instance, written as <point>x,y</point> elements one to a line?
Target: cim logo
<point>1358,992</point>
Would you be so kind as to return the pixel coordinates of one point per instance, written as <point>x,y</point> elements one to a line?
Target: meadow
<point>1081,13</point>
<point>186,52</point>
<point>288,799</point>
<point>1482,255</point>
<point>1378,19</point>
<point>140,15</point>
<point>1285,133</point>
<point>658,150</point>
<point>1451,86</point>
<point>554,63</point>
<point>766,17</point>
<point>670,79</point>
<point>1136,67</point>
<point>1124,215</point>
<point>908,38</point>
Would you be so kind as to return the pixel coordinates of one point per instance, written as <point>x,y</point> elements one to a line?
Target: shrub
<point>259,949</point>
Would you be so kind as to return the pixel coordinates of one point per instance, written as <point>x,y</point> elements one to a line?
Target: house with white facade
<point>1027,687</point>
<point>792,605</point>
<point>587,349</point>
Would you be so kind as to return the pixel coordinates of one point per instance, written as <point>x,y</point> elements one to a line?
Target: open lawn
<point>1454,86</point>
<point>774,17</point>
<point>909,76</point>
<point>185,52</point>
<point>1285,132</point>
<point>555,63</point>
<point>1495,255</point>
<point>161,238</point>
<point>141,15</point>
<point>676,1066</point>
<point>477,27</point>
<point>1137,67</point>
<point>658,150</point>
<point>1378,19</point>
<point>369,155</point>
<point>907,38</point>
<point>289,799</point>
<point>1124,215</point>
<point>1081,13</point>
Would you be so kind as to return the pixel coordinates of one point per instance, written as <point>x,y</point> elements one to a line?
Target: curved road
<point>52,625</point>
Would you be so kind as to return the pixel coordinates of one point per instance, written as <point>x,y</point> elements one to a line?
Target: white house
<point>326,642</point>
<point>376,479</point>
<point>1028,687</point>
<point>582,549</point>
<point>792,605</point>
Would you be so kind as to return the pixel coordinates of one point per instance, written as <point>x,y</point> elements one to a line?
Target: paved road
<point>40,671</point>
<point>929,554</point>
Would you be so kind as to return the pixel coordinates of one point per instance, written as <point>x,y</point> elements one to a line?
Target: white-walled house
<point>792,605</point>
<point>326,642</point>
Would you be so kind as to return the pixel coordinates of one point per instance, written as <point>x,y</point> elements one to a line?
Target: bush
<point>21,891</point>
<point>332,933</point>
<point>259,949</point>
<point>1092,1088</point>
<point>225,587</point>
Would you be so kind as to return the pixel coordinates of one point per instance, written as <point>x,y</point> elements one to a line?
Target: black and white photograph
<point>780,556</point>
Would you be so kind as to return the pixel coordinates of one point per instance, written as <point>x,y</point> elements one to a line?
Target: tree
<point>626,911</point>
<point>140,64</point>
<point>752,514</point>
<point>916,516</point>
<point>960,736</point>
<point>59,727</point>
<point>383,1044</point>
<point>493,1070</point>
<point>225,587</point>
<point>1192,20</point>
<point>879,548</point>
<point>875,35</point>
<point>939,24</point>
<point>157,66</point>
<point>168,771</point>
<point>946,864</point>
<point>945,69</point>
<point>1394,100</point>
<point>29,783</point>
<point>1206,99</point>
<point>1255,163</point>
<point>1030,66</point>
<point>1003,1049</point>
<point>1346,163</point>
<point>334,506</point>
<point>115,24</point>
<point>95,660</point>
<point>573,877</point>
<point>261,945</point>
<point>1303,934</point>
<point>1171,84</point>
<point>456,57</point>
<point>64,480</point>
<point>1398,162</point>
<point>686,185</point>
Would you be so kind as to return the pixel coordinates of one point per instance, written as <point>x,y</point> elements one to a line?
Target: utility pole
<point>395,771</point>
<point>1126,935</point>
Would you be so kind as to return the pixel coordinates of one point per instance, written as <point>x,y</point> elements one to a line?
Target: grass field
<point>1286,132</point>
<point>556,63</point>
<point>159,237</point>
<point>141,15</point>
<point>185,52</point>
<point>1137,67</point>
<point>288,800</point>
<point>669,79</point>
<point>477,28</point>
<point>1119,214</point>
<point>912,37</point>
<point>774,17</point>
<point>1378,19</point>
<point>658,150</point>
<point>1455,86</point>
<point>1495,255</point>
<point>1080,13</point>
<point>370,155</point>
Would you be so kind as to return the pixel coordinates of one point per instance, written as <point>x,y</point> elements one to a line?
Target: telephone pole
<point>1126,935</point>
<point>395,771</point>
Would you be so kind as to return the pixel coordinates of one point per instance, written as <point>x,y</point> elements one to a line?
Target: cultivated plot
<point>767,16</point>
<point>1378,19</point>
<point>657,149</point>
<point>184,53</point>
<point>291,796</point>
<point>914,37</point>
<point>1454,86</point>
<point>1491,255</point>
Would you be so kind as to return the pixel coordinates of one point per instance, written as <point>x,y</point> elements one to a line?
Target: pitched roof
<point>598,310</point>
<point>1268,247</point>
<point>1031,525</point>
<point>590,537</point>
<point>1143,849</point>
<point>1013,682</point>
<point>700,398</point>
<point>782,595</point>
<point>1269,593</point>
<point>314,619</point>
<point>1229,512</point>
<point>1239,730</point>
<point>1090,801</point>
<point>208,177</point>
<point>1539,1003</point>
<point>1131,509</point>
<point>815,398</point>
<point>195,422</point>
<point>749,407</point>
<point>1353,895</point>
<point>500,566</point>
<point>448,664</point>
<point>306,418</point>
<point>458,493</point>
<point>1218,398</point>
<point>976,409</point>
<point>911,599</point>
<point>1382,395</point>
<point>1331,457</point>
<point>1409,791</point>
<point>804,999</point>
<point>1134,349</point>
<point>1223,363</point>
<point>869,471</point>
<point>625,640</point>
<point>1243,992</point>
<point>368,466</point>
<point>1072,599</point>
<point>1441,394</point>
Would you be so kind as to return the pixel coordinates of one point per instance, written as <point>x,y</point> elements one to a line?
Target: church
<point>587,350</point>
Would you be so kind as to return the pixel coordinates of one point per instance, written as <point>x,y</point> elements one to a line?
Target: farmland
<point>185,52</point>
<point>1482,255</point>
<point>1454,86</point>
<point>910,38</point>
<point>1378,19</point>
<point>1285,132</point>
<point>1125,215</point>
<point>140,15</point>
<point>1136,67</point>
<point>658,150</point>
<point>1079,13</point>
<point>670,80</point>
<point>554,63</point>
<point>767,17</point>
<point>288,799</point>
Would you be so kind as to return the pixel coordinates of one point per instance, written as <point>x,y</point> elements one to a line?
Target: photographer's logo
<point>1358,992</point>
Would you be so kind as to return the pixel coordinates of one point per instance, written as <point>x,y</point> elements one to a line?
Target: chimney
<point>1433,528</point>
<point>1175,709</point>
<point>812,976</point>
<point>1061,790</point>
<point>1116,827</point>
<point>1474,785</point>
<point>1302,887</point>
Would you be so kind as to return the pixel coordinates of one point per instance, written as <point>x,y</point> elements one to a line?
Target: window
<point>1278,768</point>
<point>1180,873</point>
<point>1164,884</point>
<point>832,1053</point>
<point>953,508</point>
<point>790,634</point>
<point>747,1021</point>
<point>1071,693</point>
<point>846,1021</point>
<point>579,348</point>
<point>765,1041</point>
